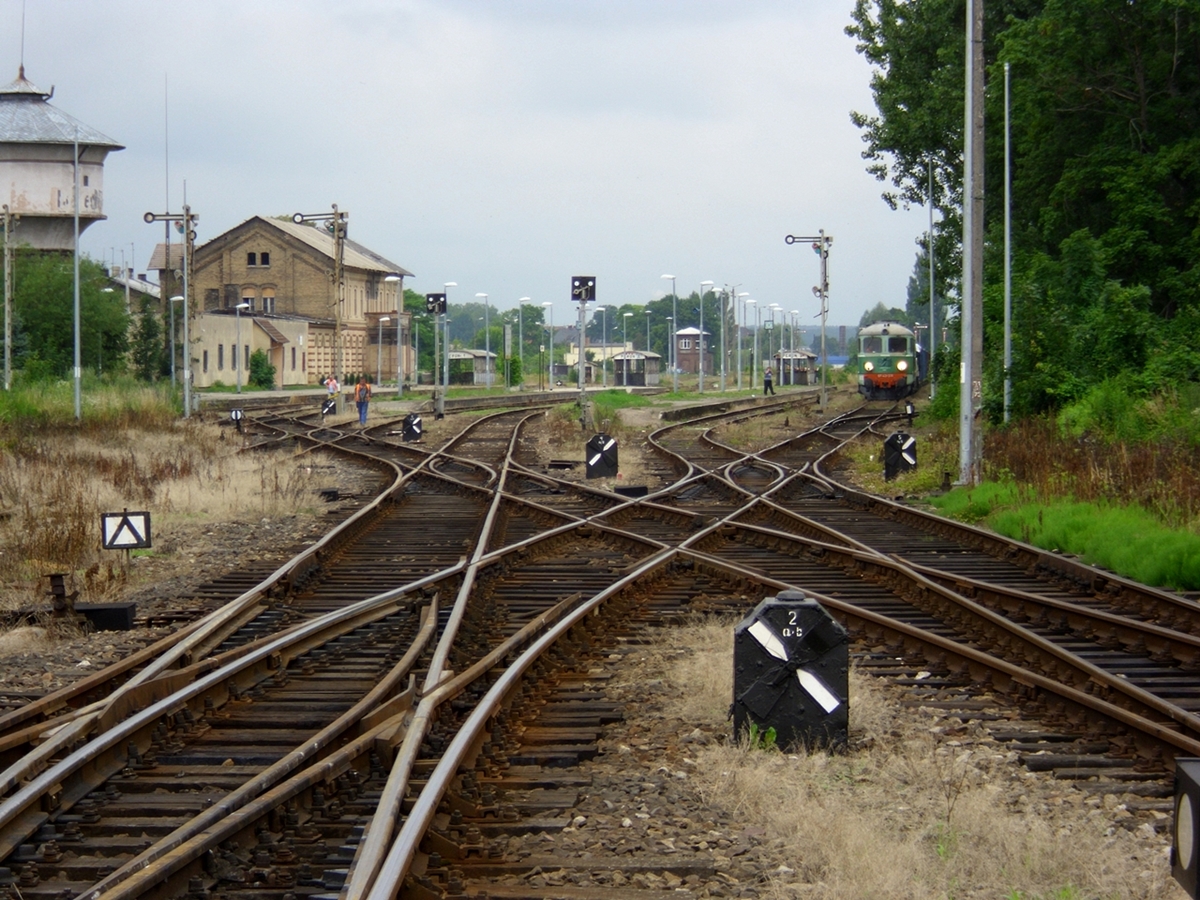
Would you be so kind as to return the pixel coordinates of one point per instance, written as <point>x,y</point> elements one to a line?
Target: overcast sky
<point>502,145</point>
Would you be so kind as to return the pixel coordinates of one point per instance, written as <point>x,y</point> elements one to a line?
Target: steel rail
<point>22,812</point>
<point>1022,642</point>
<point>198,835</point>
<point>944,649</point>
<point>384,882</point>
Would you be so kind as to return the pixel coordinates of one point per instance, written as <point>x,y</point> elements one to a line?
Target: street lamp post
<point>237,350</point>
<point>604,346</point>
<point>398,280</point>
<point>624,346</point>
<point>700,368</point>
<point>521,335</point>
<point>671,346</point>
<point>548,305</point>
<point>647,331</point>
<point>379,354</point>
<point>674,339</point>
<point>754,354</point>
<point>487,343</point>
<point>740,328</point>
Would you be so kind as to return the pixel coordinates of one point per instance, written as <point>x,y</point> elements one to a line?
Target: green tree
<point>147,352</point>
<point>43,302</point>
<point>262,373</point>
<point>881,313</point>
<point>1106,188</point>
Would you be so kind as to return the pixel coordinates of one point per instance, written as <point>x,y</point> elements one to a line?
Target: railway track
<point>379,716</point>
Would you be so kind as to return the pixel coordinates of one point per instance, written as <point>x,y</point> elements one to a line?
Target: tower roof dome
<point>27,118</point>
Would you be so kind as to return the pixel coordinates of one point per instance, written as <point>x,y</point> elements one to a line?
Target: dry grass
<point>54,486</point>
<point>1160,475</point>
<point>906,812</point>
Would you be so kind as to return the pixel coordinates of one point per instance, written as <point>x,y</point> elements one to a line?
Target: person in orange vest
<point>362,396</point>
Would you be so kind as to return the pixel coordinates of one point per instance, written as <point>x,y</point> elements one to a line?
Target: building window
<point>685,344</point>
<point>220,357</point>
<point>246,356</point>
<point>248,297</point>
<point>264,258</point>
<point>204,367</point>
<point>251,259</point>
<point>85,181</point>
<point>293,359</point>
<point>268,299</point>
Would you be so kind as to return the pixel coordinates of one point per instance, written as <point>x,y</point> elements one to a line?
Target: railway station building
<point>280,275</point>
<point>795,367</point>
<point>636,368</point>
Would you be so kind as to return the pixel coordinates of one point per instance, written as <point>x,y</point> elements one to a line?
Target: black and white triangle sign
<point>125,530</point>
<point>909,451</point>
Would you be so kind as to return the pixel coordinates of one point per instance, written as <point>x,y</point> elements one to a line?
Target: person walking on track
<point>767,388</point>
<point>362,396</point>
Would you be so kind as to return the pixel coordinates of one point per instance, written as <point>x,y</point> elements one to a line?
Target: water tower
<point>37,172</point>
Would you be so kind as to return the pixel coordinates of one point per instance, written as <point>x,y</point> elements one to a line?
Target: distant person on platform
<point>362,396</point>
<point>331,385</point>
<point>767,388</point>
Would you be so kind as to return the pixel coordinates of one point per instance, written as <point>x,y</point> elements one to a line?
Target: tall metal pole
<point>933,320</point>
<point>604,343</point>
<point>970,455</point>
<point>741,324</point>
<point>521,334</point>
<point>487,343</point>
<point>9,222</point>
<point>550,366</point>
<point>78,364</point>
<point>723,296</point>
<point>674,338</point>
<point>700,367</point>
<point>188,237</point>
<point>1007,251</point>
<point>446,354</point>
<point>237,350</point>
<point>647,331</point>
<point>824,314</point>
<point>339,287</point>
<point>754,349</point>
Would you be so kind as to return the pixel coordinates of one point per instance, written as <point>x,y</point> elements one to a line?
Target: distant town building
<point>37,167</point>
<point>283,274</point>
<point>687,351</point>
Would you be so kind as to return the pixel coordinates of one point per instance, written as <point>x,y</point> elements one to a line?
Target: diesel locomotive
<point>891,364</point>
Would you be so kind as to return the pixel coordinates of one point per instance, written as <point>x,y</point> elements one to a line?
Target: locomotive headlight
<point>902,365</point>
<point>869,366</point>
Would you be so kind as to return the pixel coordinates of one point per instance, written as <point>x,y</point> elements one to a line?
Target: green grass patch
<point>108,402</point>
<point>1127,540</point>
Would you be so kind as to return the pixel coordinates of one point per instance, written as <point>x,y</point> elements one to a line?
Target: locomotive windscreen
<point>872,344</point>
<point>897,345</point>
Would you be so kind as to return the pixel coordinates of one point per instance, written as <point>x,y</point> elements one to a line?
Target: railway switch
<point>601,456</point>
<point>899,454</point>
<point>412,428</point>
<point>791,674</point>
<point>1185,846</point>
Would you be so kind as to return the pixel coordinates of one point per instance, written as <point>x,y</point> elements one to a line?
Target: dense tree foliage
<point>43,317</point>
<point>1106,177</point>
